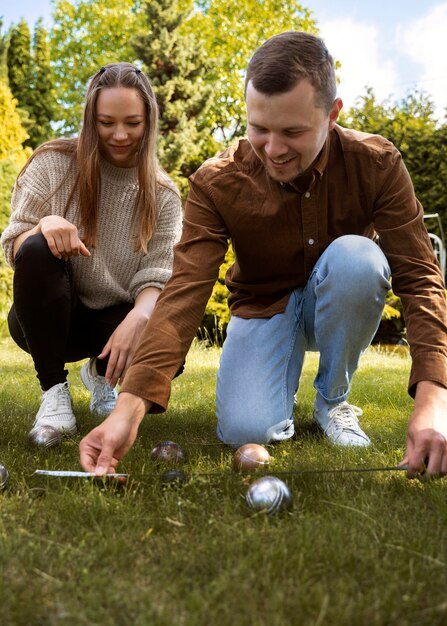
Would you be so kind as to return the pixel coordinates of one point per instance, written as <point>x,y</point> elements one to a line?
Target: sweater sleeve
<point>28,206</point>
<point>156,266</point>
<point>42,189</point>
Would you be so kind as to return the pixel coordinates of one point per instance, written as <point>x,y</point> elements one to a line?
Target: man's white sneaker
<point>103,396</point>
<point>56,410</point>
<point>341,425</point>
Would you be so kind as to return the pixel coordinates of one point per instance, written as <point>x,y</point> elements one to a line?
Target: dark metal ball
<point>174,476</point>
<point>167,452</point>
<point>250,457</point>
<point>269,494</point>
<point>45,437</point>
<point>4,477</point>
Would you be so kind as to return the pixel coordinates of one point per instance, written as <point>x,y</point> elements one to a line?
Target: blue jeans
<point>336,313</point>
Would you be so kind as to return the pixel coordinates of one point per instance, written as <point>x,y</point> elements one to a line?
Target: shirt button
<point>311,242</point>
<point>307,194</point>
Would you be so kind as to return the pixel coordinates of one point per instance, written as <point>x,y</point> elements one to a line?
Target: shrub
<point>217,313</point>
<point>9,169</point>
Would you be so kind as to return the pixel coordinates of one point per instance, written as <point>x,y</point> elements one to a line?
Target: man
<point>302,201</point>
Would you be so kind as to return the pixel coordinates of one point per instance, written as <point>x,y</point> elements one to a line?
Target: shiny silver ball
<point>167,452</point>
<point>4,477</point>
<point>45,437</point>
<point>269,494</point>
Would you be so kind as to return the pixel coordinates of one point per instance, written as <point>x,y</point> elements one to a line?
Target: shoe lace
<point>102,391</point>
<point>345,416</point>
<point>59,398</point>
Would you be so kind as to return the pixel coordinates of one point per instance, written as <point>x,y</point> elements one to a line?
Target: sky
<point>393,46</point>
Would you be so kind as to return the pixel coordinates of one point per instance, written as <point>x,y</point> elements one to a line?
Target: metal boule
<point>269,495</point>
<point>4,477</point>
<point>174,476</point>
<point>45,437</point>
<point>251,457</point>
<point>167,452</point>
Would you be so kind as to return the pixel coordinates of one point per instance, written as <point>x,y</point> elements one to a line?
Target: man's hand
<point>427,432</point>
<point>106,445</point>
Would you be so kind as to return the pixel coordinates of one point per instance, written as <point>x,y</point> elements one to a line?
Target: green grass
<point>355,549</point>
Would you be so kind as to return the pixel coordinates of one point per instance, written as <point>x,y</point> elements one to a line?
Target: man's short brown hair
<point>283,60</point>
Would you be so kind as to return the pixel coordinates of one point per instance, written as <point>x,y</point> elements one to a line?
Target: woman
<point>93,225</point>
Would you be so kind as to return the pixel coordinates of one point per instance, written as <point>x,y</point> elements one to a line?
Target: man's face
<point>287,131</point>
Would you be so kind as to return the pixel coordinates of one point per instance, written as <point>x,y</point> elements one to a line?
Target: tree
<point>231,31</point>
<point>86,35</point>
<point>30,80</point>
<point>43,106</point>
<point>3,48</point>
<point>12,133</point>
<point>20,74</point>
<point>177,69</point>
<point>411,126</point>
<point>12,157</point>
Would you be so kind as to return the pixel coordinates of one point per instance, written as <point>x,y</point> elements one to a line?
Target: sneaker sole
<point>72,430</point>
<point>85,376</point>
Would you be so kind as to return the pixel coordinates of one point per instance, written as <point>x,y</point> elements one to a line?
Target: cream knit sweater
<point>114,273</point>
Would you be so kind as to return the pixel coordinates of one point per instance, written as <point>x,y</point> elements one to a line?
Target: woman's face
<point>120,120</point>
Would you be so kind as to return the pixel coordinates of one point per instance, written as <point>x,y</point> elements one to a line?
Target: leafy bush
<point>217,313</point>
<point>12,158</point>
<point>9,169</point>
<point>392,326</point>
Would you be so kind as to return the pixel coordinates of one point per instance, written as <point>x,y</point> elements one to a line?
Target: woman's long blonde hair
<point>85,152</point>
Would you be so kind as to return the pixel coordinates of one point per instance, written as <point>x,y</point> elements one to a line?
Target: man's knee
<point>357,255</point>
<point>236,435</point>
<point>237,432</point>
<point>356,269</point>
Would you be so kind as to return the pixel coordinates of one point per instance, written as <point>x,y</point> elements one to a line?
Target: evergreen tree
<point>12,158</point>
<point>177,71</point>
<point>43,96</point>
<point>20,72</point>
<point>3,47</point>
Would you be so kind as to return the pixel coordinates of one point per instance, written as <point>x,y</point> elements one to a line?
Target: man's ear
<point>334,112</point>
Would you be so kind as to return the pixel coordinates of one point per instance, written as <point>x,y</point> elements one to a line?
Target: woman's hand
<point>62,237</point>
<point>121,346</point>
<point>123,342</point>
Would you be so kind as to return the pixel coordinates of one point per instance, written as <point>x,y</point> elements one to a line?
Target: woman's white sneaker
<point>103,396</point>
<point>56,410</point>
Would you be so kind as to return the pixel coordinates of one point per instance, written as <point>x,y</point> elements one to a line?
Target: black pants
<point>49,321</point>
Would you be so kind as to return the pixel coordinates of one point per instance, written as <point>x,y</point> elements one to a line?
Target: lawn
<point>355,549</point>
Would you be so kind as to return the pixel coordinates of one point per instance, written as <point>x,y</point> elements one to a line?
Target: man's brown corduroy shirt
<point>359,185</point>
